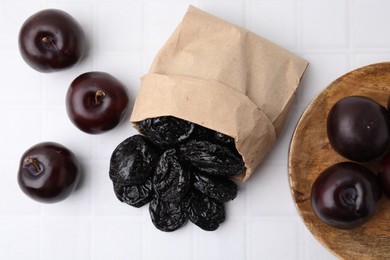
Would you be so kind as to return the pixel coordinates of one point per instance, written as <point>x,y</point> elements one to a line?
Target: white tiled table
<point>335,36</point>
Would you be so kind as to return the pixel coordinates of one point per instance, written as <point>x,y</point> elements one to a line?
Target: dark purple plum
<point>345,195</point>
<point>384,175</point>
<point>51,40</point>
<point>48,172</point>
<point>358,128</point>
<point>96,102</point>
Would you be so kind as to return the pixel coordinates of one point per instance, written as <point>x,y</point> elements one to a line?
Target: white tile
<point>77,204</point>
<point>322,70</point>
<point>269,192</point>
<point>325,24</point>
<point>21,129</point>
<point>58,127</point>
<point>228,242</point>
<point>120,26</point>
<point>116,238</point>
<point>123,37</point>
<point>10,23</point>
<point>365,59</point>
<point>148,58</point>
<point>313,249</point>
<point>275,20</point>
<point>56,84</point>
<point>22,86</point>
<point>168,245</point>
<point>66,238</point>
<point>281,232</point>
<point>127,67</point>
<point>371,24</point>
<point>232,12</point>
<point>20,237</point>
<point>237,208</point>
<point>107,142</point>
<point>161,20</point>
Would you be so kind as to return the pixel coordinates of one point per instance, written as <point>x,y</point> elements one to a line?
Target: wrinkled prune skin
<point>205,134</point>
<point>170,181</point>
<point>134,195</point>
<point>220,189</point>
<point>166,131</point>
<point>167,216</point>
<point>206,213</point>
<point>211,158</point>
<point>181,168</point>
<point>224,140</point>
<point>133,161</point>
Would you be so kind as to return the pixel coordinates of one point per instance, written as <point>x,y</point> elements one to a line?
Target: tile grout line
<point>43,137</point>
<point>351,31</point>
<point>92,222</point>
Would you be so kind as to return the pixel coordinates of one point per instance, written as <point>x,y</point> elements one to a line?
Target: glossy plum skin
<point>345,195</point>
<point>51,40</point>
<point>96,102</point>
<point>358,128</point>
<point>48,172</point>
<point>384,175</point>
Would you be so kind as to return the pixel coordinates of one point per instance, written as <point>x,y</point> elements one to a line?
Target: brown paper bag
<point>225,78</point>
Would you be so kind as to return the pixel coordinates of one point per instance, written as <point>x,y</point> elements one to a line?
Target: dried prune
<point>166,130</point>
<point>134,195</point>
<point>170,181</point>
<point>220,189</point>
<point>211,158</point>
<point>206,213</point>
<point>224,140</point>
<point>205,134</point>
<point>167,216</point>
<point>202,133</point>
<point>133,161</point>
<point>181,168</point>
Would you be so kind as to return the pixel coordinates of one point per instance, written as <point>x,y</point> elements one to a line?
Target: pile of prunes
<point>183,169</point>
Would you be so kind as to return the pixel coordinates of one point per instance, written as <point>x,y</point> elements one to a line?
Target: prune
<point>220,189</point>
<point>205,212</point>
<point>134,195</point>
<point>224,140</point>
<point>166,130</point>
<point>345,195</point>
<point>211,158</point>
<point>170,181</point>
<point>184,176</point>
<point>358,128</point>
<point>205,134</point>
<point>167,216</point>
<point>133,161</point>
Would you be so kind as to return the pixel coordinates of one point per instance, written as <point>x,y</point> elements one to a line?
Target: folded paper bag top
<point>225,78</point>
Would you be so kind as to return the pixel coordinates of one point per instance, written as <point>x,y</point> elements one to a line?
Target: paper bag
<point>225,78</point>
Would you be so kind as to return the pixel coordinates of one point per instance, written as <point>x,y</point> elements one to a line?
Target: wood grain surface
<point>310,153</point>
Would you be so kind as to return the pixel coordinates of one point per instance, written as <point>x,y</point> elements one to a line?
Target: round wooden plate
<point>310,153</point>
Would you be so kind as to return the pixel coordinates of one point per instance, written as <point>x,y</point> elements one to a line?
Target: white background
<point>335,36</point>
